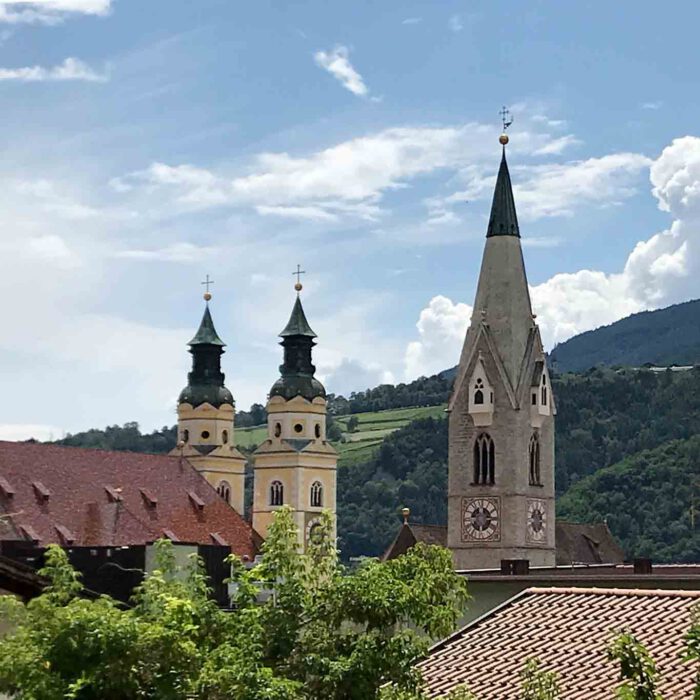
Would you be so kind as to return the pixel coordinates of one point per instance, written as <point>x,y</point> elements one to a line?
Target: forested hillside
<point>604,416</point>
<point>663,337</point>
<point>650,501</point>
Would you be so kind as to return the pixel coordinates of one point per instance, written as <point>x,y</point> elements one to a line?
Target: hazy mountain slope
<point>663,337</point>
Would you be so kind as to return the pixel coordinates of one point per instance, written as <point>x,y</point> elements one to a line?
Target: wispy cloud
<point>455,23</point>
<point>49,11</point>
<point>652,105</point>
<point>337,63</point>
<point>412,20</point>
<point>177,252</point>
<point>70,70</point>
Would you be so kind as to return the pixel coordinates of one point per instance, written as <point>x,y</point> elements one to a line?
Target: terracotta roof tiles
<point>568,630</point>
<point>107,498</point>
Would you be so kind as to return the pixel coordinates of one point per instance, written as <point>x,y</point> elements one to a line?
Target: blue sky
<point>147,143</point>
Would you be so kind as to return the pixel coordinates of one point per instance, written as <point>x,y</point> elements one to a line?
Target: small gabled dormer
<point>481,395</point>
<point>540,394</point>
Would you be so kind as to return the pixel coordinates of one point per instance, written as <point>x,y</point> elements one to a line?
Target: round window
<point>205,434</point>
<point>298,428</point>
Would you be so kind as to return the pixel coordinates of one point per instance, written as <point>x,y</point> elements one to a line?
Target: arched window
<point>276,493</point>
<point>278,429</point>
<point>224,490</point>
<point>484,460</point>
<point>316,494</point>
<point>185,435</point>
<point>479,391</point>
<point>317,430</point>
<point>224,437</point>
<point>544,389</point>
<point>534,450</point>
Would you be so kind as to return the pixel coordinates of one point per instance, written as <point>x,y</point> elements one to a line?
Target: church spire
<point>503,220</point>
<point>205,382</point>
<point>297,369</point>
<point>502,295</point>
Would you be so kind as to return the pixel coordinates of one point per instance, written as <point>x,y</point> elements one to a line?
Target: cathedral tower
<point>205,414</point>
<point>295,466</point>
<point>501,413</point>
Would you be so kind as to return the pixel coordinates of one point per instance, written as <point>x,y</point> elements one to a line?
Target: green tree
<point>302,628</point>
<point>538,684</point>
<point>637,669</point>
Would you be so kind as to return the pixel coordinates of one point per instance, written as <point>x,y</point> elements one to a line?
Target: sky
<point>148,143</point>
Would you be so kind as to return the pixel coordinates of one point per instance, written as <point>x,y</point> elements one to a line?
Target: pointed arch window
<point>316,494</point>
<point>534,455</point>
<point>544,389</point>
<point>224,490</point>
<point>484,460</point>
<point>479,392</point>
<point>276,493</point>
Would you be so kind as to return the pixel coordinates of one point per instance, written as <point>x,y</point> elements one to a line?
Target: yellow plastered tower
<point>295,466</point>
<point>206,417</point>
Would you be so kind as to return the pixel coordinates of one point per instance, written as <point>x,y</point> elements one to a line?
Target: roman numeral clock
<point>480,519</point>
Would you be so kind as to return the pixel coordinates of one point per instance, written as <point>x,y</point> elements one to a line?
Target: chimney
<point>643,566</point>
<point>515,567</point>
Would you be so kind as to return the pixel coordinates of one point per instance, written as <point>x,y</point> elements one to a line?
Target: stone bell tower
<point>501,413</point>
<point>295,466</point>
<point>205,415</point>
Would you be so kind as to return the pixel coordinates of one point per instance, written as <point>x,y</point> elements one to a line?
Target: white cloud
<point>455,23</point>
<point>441,328</point>
<point>49,11</point>
<point>303,213</point>
<point>71,69</point>
<point>558,189</point>
<point>352,375</point>
<point>176,252</point>
<point>337,63</point>
<point>652,105</point>
<point>412,20</point>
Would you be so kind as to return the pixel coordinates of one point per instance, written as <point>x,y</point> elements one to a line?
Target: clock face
<point>314,531</point>
<point>480,520</point>
<point>536,521</point>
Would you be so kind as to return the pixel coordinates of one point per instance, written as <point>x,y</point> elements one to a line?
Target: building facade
<point>205,415</point>
<point>295,465</point>
<point>501,413</point>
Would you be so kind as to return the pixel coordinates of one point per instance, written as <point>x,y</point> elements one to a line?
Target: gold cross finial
<point>207,282</point>
<point>507,120</point>
<point>299,272</point>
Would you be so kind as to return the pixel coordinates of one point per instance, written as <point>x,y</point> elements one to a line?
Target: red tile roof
<point>568,630</point>
<point>103,498</point>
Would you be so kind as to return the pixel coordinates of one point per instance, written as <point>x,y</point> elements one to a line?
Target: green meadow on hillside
<point>360,444</point>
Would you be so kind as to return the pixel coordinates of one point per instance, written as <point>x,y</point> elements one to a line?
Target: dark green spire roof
<point>205,383</point>
<point>503,220</point>
<point>207,335</point>
<point>297,325</point>
<point>297,370</point>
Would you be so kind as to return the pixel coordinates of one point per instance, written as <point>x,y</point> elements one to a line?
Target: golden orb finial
<point>207,296</point>
<point>405,512</point>
<point>503,139</point>
<point>298,286</point>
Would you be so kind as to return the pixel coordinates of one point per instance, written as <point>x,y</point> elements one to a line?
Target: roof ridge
<point>639,592</point>
<point>58,445</point>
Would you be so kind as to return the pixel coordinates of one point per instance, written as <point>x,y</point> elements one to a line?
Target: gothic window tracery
<point>479,392</point>
<point>276,493</point>
<point>484,460</point>
<point>316,494</point>
<point>534,455</point>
